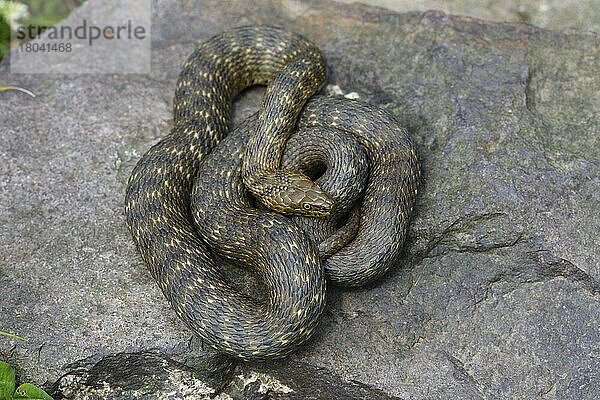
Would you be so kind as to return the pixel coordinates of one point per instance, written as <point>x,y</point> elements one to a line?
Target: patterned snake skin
<point>186,175</point>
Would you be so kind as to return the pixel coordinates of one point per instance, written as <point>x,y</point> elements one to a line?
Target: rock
<point>582,15</point>
<point>497,295</point>
<point>146,374</point>
<point>153,375</point>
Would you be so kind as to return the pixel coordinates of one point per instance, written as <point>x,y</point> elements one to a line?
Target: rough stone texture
<point>497,296</point>
<point>153,375</point>
<point>146,374</point>
<point>583,15</point>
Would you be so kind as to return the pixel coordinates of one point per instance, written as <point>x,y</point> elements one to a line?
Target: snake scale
<point>200,172</point>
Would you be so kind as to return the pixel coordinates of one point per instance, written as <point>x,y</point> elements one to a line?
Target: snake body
<point>341,166</point>
<point>158,196</point>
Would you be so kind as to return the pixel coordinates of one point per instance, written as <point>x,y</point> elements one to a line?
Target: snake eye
<point>306,206</point>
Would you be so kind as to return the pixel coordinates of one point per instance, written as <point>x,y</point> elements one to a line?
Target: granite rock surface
<point>496,297</point>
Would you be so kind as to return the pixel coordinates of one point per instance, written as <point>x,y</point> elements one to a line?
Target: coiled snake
<point>187,177</point>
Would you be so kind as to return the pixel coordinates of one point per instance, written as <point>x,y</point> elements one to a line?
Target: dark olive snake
<point>200,173</point>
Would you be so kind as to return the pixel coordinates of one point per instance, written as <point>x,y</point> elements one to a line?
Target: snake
<point>188,202</point>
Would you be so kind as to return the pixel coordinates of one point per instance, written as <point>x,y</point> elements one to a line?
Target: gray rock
<point>497,295</point>
<point>583,15</point>
<point>153,375</point>
<point>146,374</point>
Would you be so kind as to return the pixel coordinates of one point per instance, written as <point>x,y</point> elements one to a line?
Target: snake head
<point>292,192</point>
